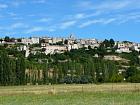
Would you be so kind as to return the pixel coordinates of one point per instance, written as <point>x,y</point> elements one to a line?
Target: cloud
<point>1,16</point>
<point>44,20</point>
<point>114,5</point>
<point>14,26</point>
<point>17,3</point>
<point>34,29</point>
<point>10,33</point>
<point>40,1</point>
<point>90,22</point>
<point>95,21</point>
<point>1,28</point>
<point>117,19</point>
<point>109,20</point>
<point>17,18</point>
<point>85,5</point>
<point>67,24</point>
<point>3,6</point>
<point>79,16</point>
<point>133,17</point>
<point>12,14</point>
<point>118,12</point>
<point>51,29</point>
<point>39,29</point>
<point>109,5</point>
<point>18,25</point>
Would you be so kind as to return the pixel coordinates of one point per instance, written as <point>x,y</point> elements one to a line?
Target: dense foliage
<point>76,66</point>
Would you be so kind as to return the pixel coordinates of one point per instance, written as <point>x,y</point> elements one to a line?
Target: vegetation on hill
<point>77,66</point>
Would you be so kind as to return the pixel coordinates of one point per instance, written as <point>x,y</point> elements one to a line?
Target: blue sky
<point>117,19</point>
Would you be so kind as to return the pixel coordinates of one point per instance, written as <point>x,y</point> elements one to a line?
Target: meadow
<point>89,94</point>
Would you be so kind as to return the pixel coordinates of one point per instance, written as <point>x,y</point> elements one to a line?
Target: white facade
<point>73,46</point>
<point>136,48</point>
<point>112,57</point>
<point>27,53</point>
<point>123,44</point>
<point>123,49</point>
<point>55,40</point>
<point>88,41</point>
<point>139,45</point>
<point>22,48</point>
<point>33,40</point>
<point>44,44</point>
<point>54,49</point>
<point>95,45</point>
<point>26,41</point>
<point>2,42</point>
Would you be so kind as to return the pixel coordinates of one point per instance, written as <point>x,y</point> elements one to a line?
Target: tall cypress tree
<point>20,71</point>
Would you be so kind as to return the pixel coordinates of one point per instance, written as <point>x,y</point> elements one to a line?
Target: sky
<point>101,19</point>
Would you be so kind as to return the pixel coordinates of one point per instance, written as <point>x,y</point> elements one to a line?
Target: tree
<point>85,79</point>
<point>76,79</point>
<point>106,43</point>
<point>5,72</point>
<point>112,42</point>
<point>131,71</point>
<point>116,78</point>
<point>68,79</point>
<point>89,47</point>
<point>66,42</point>
<point>20,71</point>
<point>12,40</point>
<point>7,39</point>
<point>43,49</point>
<point>19,40</point>
<point>132,74</point>
<point>1,40</point>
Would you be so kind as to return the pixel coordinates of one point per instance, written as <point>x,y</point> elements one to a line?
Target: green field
<point>104,94</point>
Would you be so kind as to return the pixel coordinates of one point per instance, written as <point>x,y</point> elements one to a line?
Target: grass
<point>105,94</point>
<point>85,98</point>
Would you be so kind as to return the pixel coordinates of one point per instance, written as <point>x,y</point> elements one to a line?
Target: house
<point>123,49</point>
<point>22,48</point>
<point>120,71</point>
<point>89,42</point>
<point>52,49</point>
<point>55,40</point>
<point>27,52</point>
<point>35,40</point>
<point>2,42</point>
<point>124,44</point>
<point>96,56</point>
<point>112,57</point>
<point>47,40</point>
<point>115,58</point>
<point>32,40</point>
<point>44,44</point>
<point>136,47</point>
<point>36,50</point>
<point>73,46</point>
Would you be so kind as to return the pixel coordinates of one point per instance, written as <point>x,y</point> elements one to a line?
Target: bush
<point>68,80</point>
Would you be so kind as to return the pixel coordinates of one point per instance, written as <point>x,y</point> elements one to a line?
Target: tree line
<point>79,66</point>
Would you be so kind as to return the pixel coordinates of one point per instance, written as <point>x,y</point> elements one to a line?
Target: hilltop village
<point>42,60</point>
<point>52,45</point>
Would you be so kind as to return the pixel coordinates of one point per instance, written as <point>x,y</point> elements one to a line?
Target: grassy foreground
<point>73,99</point>
<point>105,94</point>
